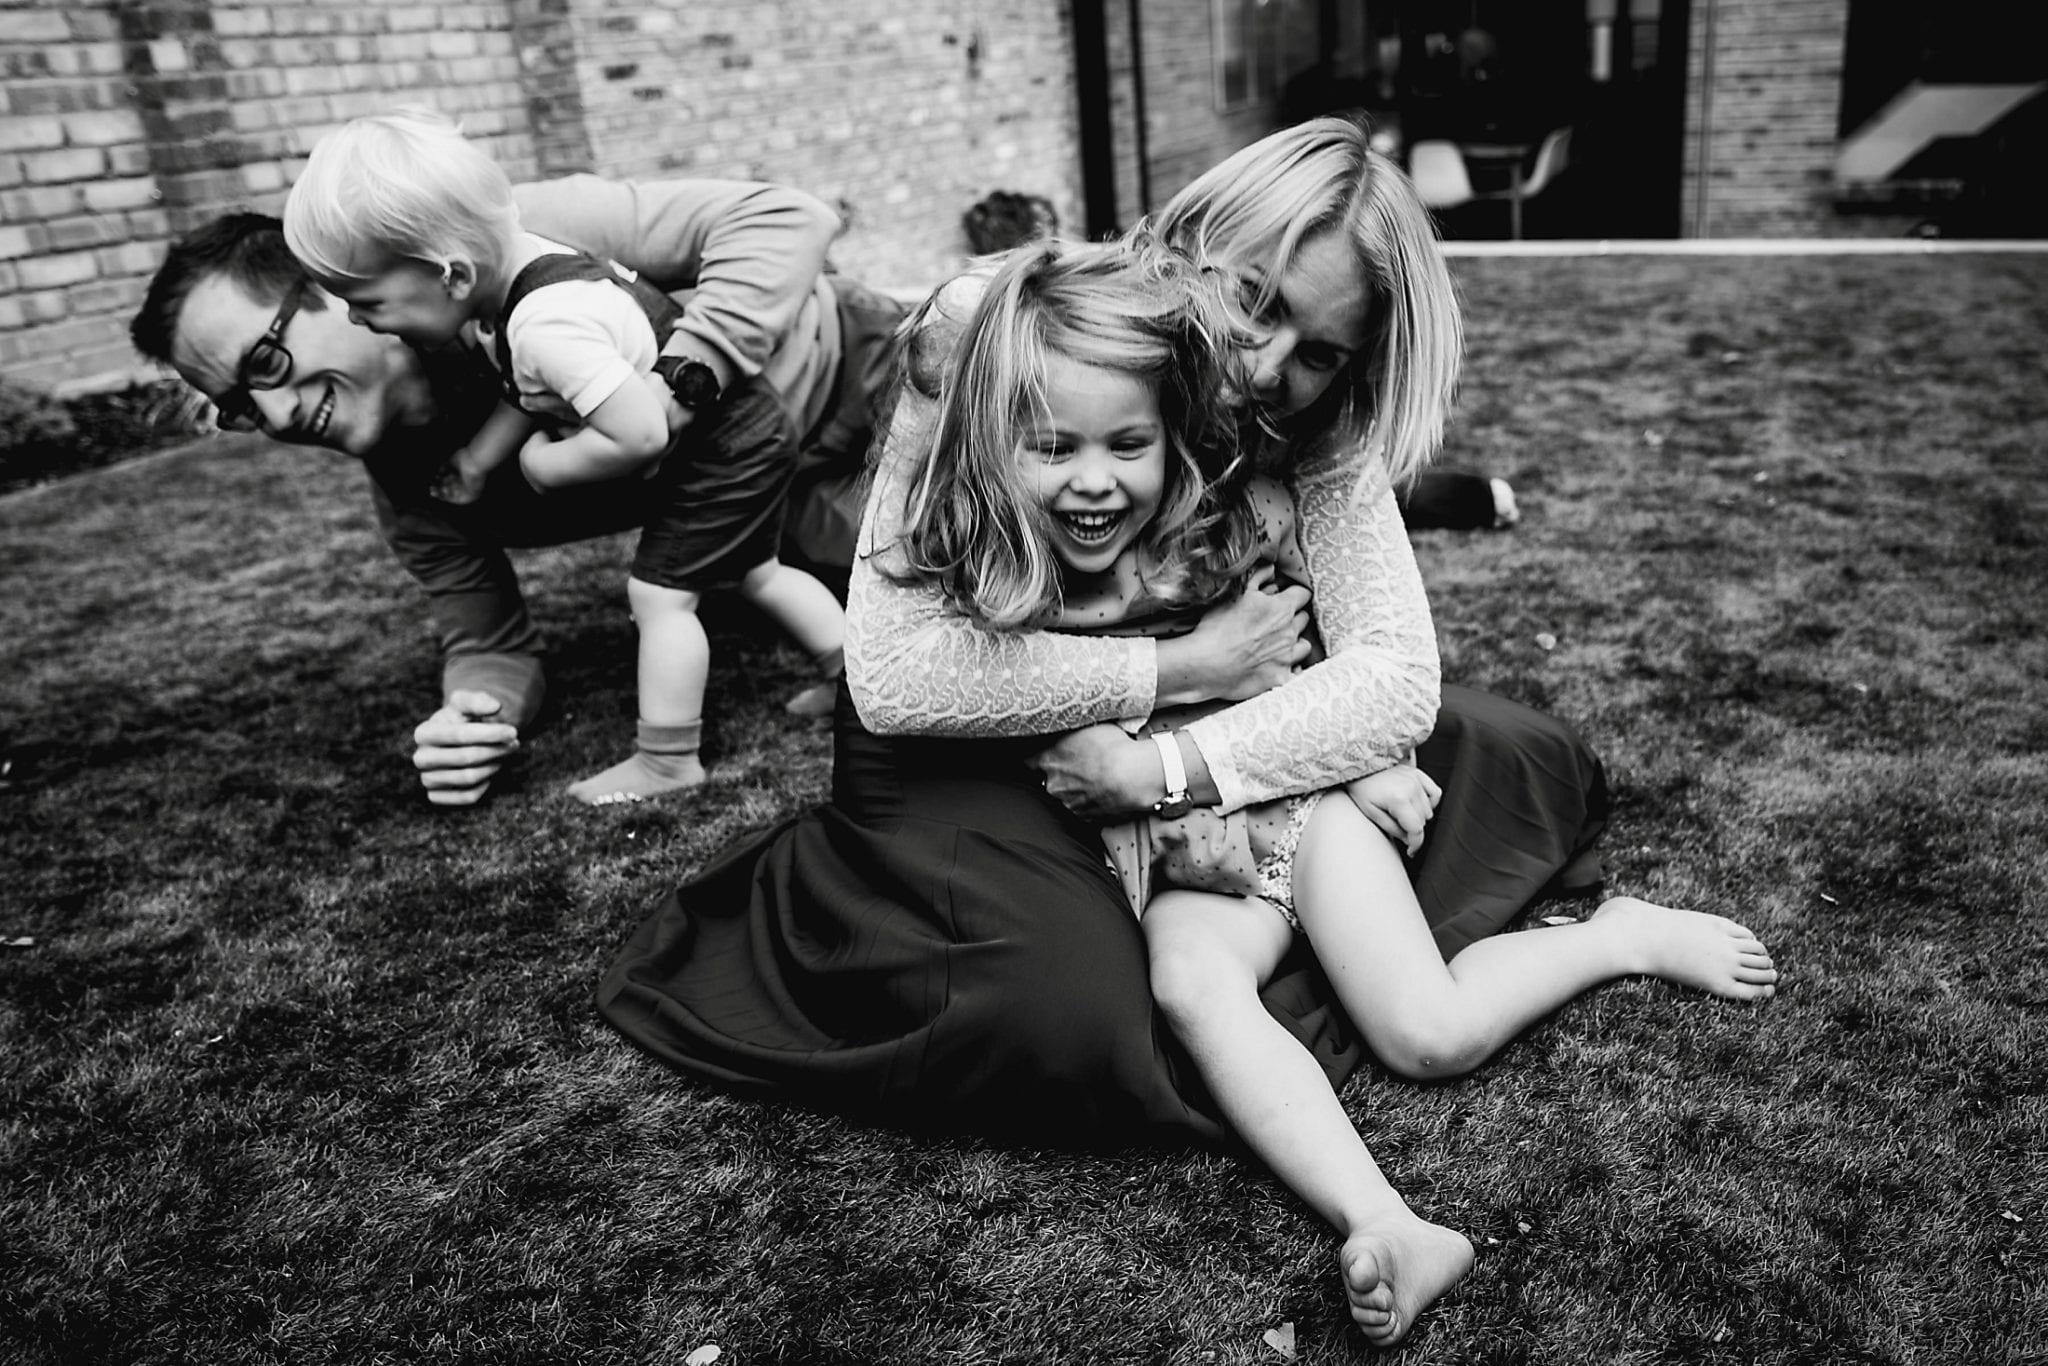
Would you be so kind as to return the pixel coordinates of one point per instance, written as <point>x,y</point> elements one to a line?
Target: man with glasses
<point>765,329</point>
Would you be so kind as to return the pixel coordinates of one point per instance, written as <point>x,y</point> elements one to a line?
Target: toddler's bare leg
<point>805,608</point>
<point>1209,955</point>
<point>675,661</point>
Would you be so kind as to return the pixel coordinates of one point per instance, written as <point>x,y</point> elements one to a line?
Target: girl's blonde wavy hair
<point>973,525</point>
<point>1257,207</point>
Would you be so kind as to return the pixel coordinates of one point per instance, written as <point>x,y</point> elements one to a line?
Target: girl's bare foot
<point>1710,952</point>
<point>1395,1269</point>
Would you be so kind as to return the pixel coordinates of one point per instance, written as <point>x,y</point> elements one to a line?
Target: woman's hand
<point>1101,773</point>
<point>1243,647</point>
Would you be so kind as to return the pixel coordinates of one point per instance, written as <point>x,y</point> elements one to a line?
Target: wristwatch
<point>1176,803</point>
<point>694,383</point>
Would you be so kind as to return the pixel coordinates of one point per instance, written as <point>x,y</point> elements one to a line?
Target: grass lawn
<point>298,1070</point>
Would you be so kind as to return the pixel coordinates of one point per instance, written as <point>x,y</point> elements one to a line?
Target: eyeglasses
<point>266,365</point>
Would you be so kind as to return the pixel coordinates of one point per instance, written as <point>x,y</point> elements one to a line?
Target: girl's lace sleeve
<point>915,668</point>
<point>1375,696</point>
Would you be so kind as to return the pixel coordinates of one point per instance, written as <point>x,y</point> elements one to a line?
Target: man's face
<point>344,388</point>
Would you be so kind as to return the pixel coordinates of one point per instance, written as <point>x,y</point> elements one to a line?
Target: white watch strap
<point>1176,771</point>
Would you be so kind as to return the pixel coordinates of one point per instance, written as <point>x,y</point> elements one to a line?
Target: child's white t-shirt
<point>574,343</point>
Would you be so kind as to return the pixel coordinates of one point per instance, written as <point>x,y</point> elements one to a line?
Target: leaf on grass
<point>1281,1340</point>
<point>2010,1217</point>
<point>19,941</point>
<point>1521,1225</point>
<point>1545,641</point>
<point>1830,900</point>
<point>704,1355</point>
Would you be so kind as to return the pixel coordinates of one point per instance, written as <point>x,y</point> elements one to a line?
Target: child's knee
<point>1190,972</point>
<point>1426,1050</point>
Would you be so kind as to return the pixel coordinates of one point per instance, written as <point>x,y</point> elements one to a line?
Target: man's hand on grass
<point>459,749</point>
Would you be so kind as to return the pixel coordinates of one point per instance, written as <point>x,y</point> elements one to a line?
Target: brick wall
<point>123,122</point>
<point>1763,89</point>
<point>899,113</point>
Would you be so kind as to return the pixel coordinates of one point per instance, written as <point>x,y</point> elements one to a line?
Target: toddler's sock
<point>665,760</point>
<point>820,697</point>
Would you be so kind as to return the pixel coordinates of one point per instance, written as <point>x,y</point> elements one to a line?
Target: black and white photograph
<point>879,683</point>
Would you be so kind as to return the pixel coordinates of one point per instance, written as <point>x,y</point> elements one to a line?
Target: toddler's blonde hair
<point>403,186</point>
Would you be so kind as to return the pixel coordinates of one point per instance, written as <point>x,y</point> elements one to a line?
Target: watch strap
<point>1176,801</point>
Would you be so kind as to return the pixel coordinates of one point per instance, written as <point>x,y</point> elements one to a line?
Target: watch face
<point>1173,808</point>
<point>695,384</point>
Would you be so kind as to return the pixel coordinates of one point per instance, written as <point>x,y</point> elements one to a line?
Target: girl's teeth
<point>1092,526</point>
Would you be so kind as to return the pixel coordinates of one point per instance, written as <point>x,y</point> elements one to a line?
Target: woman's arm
<point>1375,697</point>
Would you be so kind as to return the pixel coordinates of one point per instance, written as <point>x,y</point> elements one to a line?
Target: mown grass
<point>299,1070</point>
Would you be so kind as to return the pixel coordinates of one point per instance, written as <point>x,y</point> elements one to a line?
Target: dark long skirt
<point>943,946</point>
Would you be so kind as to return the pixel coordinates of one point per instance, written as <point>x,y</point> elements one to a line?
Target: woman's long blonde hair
<point>1260,205</point>
<point>973,526</point>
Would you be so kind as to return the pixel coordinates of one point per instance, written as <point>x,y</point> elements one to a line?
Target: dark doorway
<point>1493,76</point>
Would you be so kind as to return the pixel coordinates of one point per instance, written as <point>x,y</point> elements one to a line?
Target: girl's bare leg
<point>1426,1018</point>
<point>1209,955</point>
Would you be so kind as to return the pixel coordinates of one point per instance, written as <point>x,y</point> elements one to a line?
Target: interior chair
<point>1552,156</point>
<point>1438,169</point>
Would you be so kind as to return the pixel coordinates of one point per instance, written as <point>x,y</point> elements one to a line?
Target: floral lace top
<point>916,668</point>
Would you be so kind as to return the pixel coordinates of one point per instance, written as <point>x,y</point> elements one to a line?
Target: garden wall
<point>126,121</point>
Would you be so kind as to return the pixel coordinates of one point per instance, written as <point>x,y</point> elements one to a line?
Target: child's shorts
<point>718,500</point>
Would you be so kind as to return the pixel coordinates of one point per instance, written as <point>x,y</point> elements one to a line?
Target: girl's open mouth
<point>1092,528</point>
